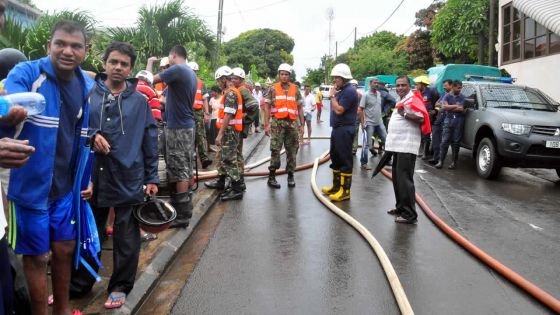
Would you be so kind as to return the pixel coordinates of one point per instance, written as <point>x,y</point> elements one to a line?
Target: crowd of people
<point>129,122</point>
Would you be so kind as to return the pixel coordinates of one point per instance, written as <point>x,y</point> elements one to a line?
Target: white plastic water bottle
<point>34,103</point>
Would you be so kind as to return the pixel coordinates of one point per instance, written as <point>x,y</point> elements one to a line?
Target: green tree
<point>460,29</point>
<point>265,48</point>
<point>377,54</point>
<point>160,27</point>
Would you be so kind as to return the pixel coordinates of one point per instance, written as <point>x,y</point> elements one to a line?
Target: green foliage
<point>417,72</point>
<point>265,48</point>
<point>314,77</point>
<point>457,27</point>
<point>425,17</point>
<point>376,54</point>
<point>13,35</point>
<point>419,50</point>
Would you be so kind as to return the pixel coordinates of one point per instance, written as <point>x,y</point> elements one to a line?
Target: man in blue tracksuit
<point>124,138</point>
<point>40,192</point>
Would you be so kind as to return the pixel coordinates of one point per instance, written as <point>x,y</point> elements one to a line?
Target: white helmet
<point>341,70</point>
<point>164,62</point>
<point>285,67</point>
<point>258,84</point>
<point>193,65</point>
<point>146,76</point>
<point>223,71</point>
<point>238,72</point>
<point>353,81</point>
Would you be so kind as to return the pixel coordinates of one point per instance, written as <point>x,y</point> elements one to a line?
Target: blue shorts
<point>36,229</point>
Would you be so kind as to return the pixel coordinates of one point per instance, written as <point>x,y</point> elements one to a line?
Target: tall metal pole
<point>335,50</point>
<point>219,32</point>
<point>355,35</point>
<point>491,26</point>
<point>330,16</point>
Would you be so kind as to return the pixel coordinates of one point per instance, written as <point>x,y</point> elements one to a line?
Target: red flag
<point>416,103</point>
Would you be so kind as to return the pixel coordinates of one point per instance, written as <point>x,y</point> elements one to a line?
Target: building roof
<point>545,12</point>
<point>24,9</point>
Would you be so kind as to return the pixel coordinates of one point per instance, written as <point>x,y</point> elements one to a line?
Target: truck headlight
<point>517,129</point>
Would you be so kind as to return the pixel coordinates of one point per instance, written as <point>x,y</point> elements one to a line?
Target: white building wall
<point>542,73</point>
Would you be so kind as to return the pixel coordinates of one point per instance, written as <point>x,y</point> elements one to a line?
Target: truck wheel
<point>487,160</point>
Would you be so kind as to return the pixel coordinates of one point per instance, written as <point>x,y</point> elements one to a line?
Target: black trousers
<point>6,281</point>
<point>126,253</point>
<point>403,184</point>
<point>341,148</point>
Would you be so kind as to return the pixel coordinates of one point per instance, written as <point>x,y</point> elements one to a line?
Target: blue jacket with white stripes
<point>30,184</point>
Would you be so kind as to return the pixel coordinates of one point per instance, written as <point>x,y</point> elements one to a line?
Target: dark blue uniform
<point>430,97</point>
<point>452,127</point>
<point>343,130</point>
<point>437,132</point>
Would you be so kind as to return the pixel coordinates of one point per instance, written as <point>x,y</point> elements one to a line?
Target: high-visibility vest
<point>285,104</point>
<point>237,120</point>
<point>198,102</point>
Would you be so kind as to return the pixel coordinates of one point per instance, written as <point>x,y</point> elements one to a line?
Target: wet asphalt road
<point>281,251</point>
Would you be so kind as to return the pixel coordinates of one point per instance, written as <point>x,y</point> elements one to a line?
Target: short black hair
<point>404,77</point>
<point>69,27</point>
<point>306,86</point>
<point>450,82</point>
<point>123,48</point>
<point>216,89</point>
<point>179,51</point>
<point>457,83</point>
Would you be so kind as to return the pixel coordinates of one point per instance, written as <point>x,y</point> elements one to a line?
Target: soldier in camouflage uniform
<point>284,104</point>
<point>250,111</point>
<point>201,118</point>
<point>230,119</point>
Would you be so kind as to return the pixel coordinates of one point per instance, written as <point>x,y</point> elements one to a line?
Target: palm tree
<point>159,28</point>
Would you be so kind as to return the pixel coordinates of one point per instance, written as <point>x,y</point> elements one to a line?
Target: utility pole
<point>335,50</point>
<point>355,35</point>
<point>492,23</point>
<point>219,32</point>
<point>330,16</point>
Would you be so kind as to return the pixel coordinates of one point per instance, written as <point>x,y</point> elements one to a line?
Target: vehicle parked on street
<point>460,72</point>
<point>324,89</point>
<point>510,125</point>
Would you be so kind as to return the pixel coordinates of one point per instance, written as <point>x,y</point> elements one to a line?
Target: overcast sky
<point>305,21</point>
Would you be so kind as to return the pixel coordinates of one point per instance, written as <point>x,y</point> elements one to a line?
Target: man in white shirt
<point>403,140</point>
<point>309,106</point>
<point>258,95</point>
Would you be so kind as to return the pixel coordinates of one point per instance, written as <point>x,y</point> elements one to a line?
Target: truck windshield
<point>516,98</point>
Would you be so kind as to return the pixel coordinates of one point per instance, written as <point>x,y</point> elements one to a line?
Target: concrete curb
<point>204,199</point>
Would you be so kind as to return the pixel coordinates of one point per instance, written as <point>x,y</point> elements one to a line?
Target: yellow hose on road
<point>394,281</point>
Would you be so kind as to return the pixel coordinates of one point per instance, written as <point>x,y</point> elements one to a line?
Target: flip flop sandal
<point>112,304</point>
<point>50,300</point>
<point>146,237</point>
<point>76,312</point>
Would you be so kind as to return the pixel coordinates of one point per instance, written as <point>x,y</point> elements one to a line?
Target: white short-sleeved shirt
<point>308,103</point>
<point>403,136</point>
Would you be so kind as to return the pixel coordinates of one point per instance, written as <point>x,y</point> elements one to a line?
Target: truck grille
<point>544,130</point>
<point>543,151</point>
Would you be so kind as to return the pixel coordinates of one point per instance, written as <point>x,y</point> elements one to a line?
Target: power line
<point>387,19</point>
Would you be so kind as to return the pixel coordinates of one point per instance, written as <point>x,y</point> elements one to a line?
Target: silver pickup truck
<point>510,125</point>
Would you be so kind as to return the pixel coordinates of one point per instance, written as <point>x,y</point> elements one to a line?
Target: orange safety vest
<point>198,102</point>
<point>285,104</point>
<point>237,121</point>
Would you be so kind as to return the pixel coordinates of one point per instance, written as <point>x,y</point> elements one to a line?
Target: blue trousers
<point>436,139</point>
<point>452,132</point>
<point>378,130</point>
<point>342,158</point>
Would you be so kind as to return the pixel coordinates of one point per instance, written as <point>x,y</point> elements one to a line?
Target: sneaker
<point>365,167</point>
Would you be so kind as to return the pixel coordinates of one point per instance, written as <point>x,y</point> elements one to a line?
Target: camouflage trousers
<point>229,166</point>
<point>200,134</point>
<point>179,151</point>
<point>283,133</point>
<point>240,158</point>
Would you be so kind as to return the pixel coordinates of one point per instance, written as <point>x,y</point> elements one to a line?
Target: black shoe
<point>291,181</point>
<point>400,219</point>
<point>439,165</point>
<point>179,223</point>
<point>272,181</point>
<point>433,162</point>
<point>372,151</point>
<point>232,194</point>
<point>218,183</point>
<point>393,212</point>
<point>206,163</point>
<point>452,166</point>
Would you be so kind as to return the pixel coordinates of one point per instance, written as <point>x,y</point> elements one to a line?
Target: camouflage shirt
<point>230,103</point>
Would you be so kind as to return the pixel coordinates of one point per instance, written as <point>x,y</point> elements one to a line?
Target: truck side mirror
<point>469,103</point>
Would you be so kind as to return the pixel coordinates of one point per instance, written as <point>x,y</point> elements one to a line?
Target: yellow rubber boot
<point>344,192</point>
<point>335,184</point>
